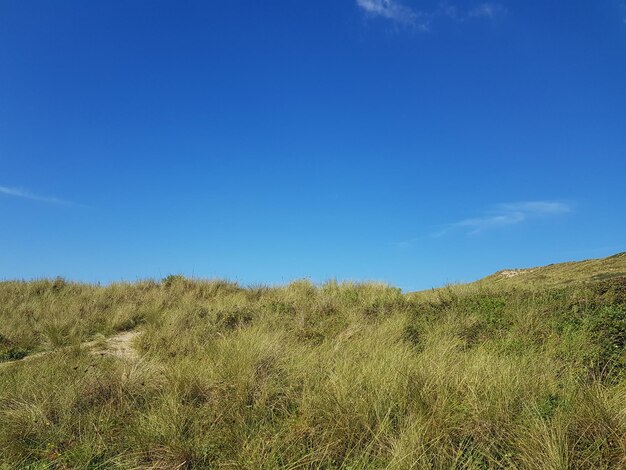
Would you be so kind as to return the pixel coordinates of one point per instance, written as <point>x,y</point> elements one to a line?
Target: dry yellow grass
<point>302,376</point>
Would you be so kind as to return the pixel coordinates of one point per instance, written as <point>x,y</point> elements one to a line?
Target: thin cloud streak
<point>503,215</point>
<point>21,193</point>
<point>486,10</point>
<point>421,19</point>
<point>389,9</point>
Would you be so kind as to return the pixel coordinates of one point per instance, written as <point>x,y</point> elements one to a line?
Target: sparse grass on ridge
<point>560,274</point>
<point>334,376</point>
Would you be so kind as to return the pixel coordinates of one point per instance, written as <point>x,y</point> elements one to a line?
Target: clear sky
<point>412,142</point>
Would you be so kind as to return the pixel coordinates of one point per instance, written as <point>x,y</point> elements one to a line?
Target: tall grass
<point>302,376</point>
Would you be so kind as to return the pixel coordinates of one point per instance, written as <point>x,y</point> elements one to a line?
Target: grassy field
<point>353,376</point>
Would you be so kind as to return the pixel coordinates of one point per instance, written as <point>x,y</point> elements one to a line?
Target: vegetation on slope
<point>303,376</point>
<point>561,274</point>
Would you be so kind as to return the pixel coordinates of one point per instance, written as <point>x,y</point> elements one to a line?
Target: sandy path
<point>119,345</point>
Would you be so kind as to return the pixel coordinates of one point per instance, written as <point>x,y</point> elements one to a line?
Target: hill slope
<point>560,274</point>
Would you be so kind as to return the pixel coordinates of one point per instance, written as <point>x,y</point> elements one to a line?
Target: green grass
<point>561,274</point>
<point>346,376</point>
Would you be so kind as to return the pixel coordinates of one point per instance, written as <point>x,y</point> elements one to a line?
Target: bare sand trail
<point>119,345</point>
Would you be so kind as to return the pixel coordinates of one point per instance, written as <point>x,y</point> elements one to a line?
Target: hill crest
<point>557,274</point>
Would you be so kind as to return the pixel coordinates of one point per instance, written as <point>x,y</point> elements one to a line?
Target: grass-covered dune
<point>560,274</point>
<point>334,376</point>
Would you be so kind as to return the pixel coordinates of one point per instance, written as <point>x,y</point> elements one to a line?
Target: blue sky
<point>411,142</point>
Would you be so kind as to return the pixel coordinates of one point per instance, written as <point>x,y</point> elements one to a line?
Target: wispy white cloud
<point>21,193</point>
<point>486,10</point>
<point>536,207</point>
<point>389,9</point>
<point>422,19</point>
<point>502,215</point>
